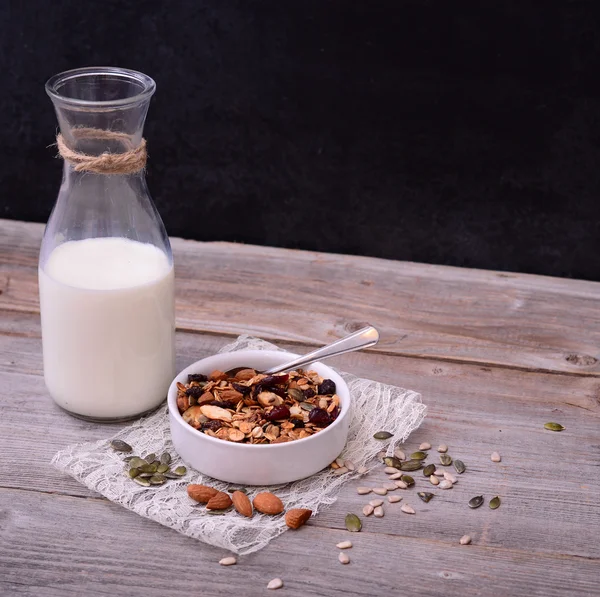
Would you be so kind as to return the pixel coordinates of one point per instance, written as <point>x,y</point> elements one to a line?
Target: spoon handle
<point>364,338</point>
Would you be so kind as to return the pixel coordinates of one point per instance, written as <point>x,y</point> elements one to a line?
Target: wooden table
<point>495,356</point>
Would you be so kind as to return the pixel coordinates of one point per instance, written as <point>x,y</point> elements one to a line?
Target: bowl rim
<point>176,415</point>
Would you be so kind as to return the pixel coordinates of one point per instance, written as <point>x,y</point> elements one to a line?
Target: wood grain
<point>50,548</point>
<point>451,314</point>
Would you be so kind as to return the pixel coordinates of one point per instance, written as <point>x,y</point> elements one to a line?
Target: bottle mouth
<point>101,86</point>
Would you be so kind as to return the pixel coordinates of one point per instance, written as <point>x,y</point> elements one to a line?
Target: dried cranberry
<point>240,388</point>
<point>195,391</point>
<point>298,424</point>
<point>197,377</point>
<point>327,387</point>
<point>212,425</point>
<point>222,403</point>
<point>274,380</point>
<point>319,416</point>
<point>277,413</point>
<point>334,413</point>
<point>309,393</point>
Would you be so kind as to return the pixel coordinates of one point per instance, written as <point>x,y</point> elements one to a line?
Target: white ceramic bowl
<point>249,464</point>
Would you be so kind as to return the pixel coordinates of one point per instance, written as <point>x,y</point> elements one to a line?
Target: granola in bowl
<point>245,406</point>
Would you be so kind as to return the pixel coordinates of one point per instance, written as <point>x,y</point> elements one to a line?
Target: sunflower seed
<point>450,477</point>
<point>418,456</point>
<point>408,480</point>
<point>363,490</point>
<point>276,583</point>
<point>411,465</point>
<point>392,462</point>
<point>425,496</point>
<point>429,470</point>
<point>340,471</point>
<point>383,435</point>
<point>434,480</point>
<point>442,448</point>
<point>343,558</point>
<point>228,561</point>
<point>398,453</point>
<point>150,458</point>
<point>476,501</point>
<point>349,465</point>
<point>465,540</point>
<point>353,523</point>
<point>142,482</point>
<point>553,426</point>
<point>390,486</point>
<point>495,457</point>
<point>120,446</point>
<point>392,499</point>
<point>378,512</point>
<point>390,470</point>
<point>165,458</point>
<point>380,490</point>
<point>401,484</point>
<point>460,467</point>
<point>425,446</point>
<point>376,502</point>
<point>397,475</point>
<point>445,484</point>
<point>445,460</point>
<point>494,503</point>
<point>362,470</point>
<point>368,510</point>
<point>406,508</point>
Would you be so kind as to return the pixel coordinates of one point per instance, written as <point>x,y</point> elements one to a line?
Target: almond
<point>241,502</point>
<point>267,503</point>
<point>201,493</point>
<point>231,395</point>
<point>245,374</point>
<point>296,517</point>
<point>219,501</point>
<point>217,375</point>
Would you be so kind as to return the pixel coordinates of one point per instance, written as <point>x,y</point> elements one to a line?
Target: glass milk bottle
<point>106,268</point>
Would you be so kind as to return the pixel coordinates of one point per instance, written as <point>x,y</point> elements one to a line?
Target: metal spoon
<point>364,338</point>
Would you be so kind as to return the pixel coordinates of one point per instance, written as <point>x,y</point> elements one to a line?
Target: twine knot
<point>132,160</point>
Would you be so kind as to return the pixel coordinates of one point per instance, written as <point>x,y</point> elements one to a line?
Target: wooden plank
<point>50,546</point>
<point>543,477</point>
<point>451,314</point>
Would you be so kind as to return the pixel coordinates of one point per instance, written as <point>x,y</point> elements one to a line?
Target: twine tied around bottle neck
<point>132,160</point>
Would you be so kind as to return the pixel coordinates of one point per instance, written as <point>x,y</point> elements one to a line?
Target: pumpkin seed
<point>145,475</point>
<point>136,462</point>
<point>460,467</point>
<point>418,456</point>
<point>353,523</point>
<point>408,480</point>
<point>494,503</point>
<point>425,496</point>
<point>171,475</point>
<point>165,458</point>
<point>476,501</point>
<point>307,406</point>
<point>429,470</point>
<point>148,468</point>
<point>383,435</point>
<point>445,460</point>
<point>162,468</point>
<point>297,395</point>
<point>411,465</point>
<point>180,470</point>
<point>157,479</point>
<point>120,446</point>
<point>150,458</point>
<point>133,472</point>
<point>129,458</point>
<point>142,482</point>
<point>392,462</point>
<point>553,426</point>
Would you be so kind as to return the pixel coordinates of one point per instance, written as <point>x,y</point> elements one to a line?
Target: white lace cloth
<point>376,407</point>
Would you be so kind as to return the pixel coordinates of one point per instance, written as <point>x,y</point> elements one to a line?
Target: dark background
<point>463,133</point>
